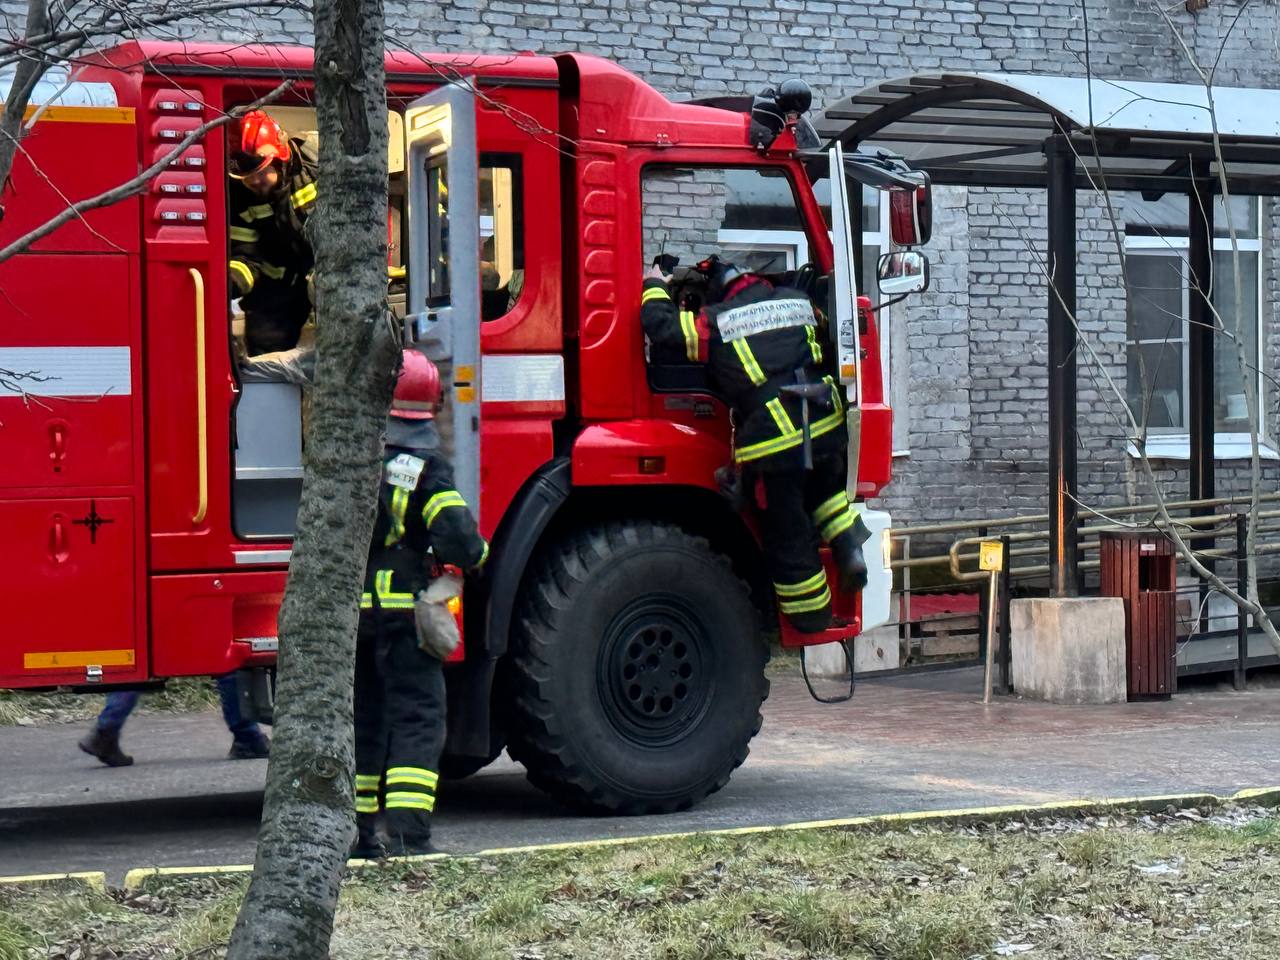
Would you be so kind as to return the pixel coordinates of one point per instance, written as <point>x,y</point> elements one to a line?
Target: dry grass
<point>32,709</point>
<point>1168,887</point>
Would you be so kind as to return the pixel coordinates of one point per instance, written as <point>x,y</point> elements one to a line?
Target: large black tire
<point>638,669</point>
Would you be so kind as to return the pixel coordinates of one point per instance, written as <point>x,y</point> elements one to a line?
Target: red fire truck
<point>150,472</point>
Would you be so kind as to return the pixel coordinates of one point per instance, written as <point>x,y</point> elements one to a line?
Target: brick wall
<point>975,344</point>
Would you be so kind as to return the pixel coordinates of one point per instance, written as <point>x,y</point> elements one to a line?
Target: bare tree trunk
<point>307,820</point>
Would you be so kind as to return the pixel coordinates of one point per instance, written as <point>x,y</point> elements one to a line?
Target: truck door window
<point>745,214</point>
<point>501,252</point>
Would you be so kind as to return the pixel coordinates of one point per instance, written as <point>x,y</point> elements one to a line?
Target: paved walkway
<point>911,743</point>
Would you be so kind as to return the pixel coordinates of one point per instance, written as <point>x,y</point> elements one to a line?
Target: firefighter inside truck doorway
<point>761,346</point>
<point>406,625</point>
<point>273,193</point>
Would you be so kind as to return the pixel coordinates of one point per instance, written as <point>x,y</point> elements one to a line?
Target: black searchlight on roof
<point>774,109</point>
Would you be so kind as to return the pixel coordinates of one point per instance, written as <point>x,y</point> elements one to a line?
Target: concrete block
<point>877,649</point>
<point>1069,650</point>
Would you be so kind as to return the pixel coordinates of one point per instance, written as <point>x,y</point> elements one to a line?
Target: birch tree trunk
<point>307,820</point>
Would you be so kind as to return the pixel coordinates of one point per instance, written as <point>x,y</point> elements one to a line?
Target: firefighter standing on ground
<point>756,340</point>
<point>399,688</point>
<point>273,192</point>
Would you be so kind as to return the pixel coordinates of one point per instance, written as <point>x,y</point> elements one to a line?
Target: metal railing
<point>1026,548</point>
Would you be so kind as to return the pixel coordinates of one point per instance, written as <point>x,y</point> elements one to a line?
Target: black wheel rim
<point>656,671</point>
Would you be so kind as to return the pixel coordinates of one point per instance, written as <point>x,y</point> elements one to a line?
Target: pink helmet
<point>417,389</point>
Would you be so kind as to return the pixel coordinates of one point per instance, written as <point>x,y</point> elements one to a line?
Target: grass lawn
<point>30,709</point>
<point>1191,884</point>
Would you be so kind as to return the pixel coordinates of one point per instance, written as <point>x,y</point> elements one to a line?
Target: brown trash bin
<point>1142,569</point>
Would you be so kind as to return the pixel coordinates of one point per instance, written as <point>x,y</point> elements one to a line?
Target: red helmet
<point>417,389</point>
<point>261,141</point>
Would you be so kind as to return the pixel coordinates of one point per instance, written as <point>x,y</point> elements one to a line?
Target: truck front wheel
<point>638,667</point>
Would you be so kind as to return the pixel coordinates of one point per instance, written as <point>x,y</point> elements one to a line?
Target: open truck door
<point>443,311</point>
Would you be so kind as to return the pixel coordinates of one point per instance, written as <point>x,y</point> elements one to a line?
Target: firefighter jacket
<point>267,237</point>
<point>418,511</point>
<point>756,341</point>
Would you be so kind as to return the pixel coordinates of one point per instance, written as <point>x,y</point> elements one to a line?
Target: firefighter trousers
<point>400,727</point>
<point>801,510</point>
<point>275,312</point>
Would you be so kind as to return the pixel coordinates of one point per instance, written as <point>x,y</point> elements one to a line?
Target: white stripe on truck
<point>65,371</point>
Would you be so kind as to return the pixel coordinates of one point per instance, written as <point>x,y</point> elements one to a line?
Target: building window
<point>1158,308</point>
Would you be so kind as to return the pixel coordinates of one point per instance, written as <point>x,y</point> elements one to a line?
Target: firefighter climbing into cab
<point>406,629</point>
<point>765,358</point>
<point>273,193</point>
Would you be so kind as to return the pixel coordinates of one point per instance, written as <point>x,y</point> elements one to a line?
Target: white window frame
<point>1176,445</point>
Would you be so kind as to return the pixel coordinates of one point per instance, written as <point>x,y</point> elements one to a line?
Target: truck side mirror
<point>911,216</point>
<point>903,272</point>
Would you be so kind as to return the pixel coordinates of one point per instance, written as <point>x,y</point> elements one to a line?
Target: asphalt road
<point>918,743</point>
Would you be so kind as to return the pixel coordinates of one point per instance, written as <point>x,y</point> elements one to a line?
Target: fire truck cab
<point>151,470</point>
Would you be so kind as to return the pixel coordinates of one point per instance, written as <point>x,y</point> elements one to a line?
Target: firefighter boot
<point>846,551</point>
<point>419,847</point>
<point>409,833</point>
<point>106,747</point>
<point>369,844</point>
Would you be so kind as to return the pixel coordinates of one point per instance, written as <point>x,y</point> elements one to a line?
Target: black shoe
<point>106,747</point>
<point>366,849</point>
<point>411,848</point>
<point>258,749</point>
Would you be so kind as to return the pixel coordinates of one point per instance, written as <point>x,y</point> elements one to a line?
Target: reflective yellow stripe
<point>441,501</point>
<point>654,293</point>
<point>399,504</point>
<point>767,447</point>
<point>413,780</point>
<point>819,579</point>
<point>304,196</point>
<point>838,526</point>
<point>366,804</point>
<point>830,508</point>
<point>275,273</point>
<point>387,598</point>
<point>690,330</point>
<point>780,418</point>
<point>807,606</point>
<point>484,554</point>
<point>748,359</point>
<point>260,211</point>
<point>244,233</point>
<point>242,271</point>
<point>827,424</point>
<point>368,781</point>
<point>417,771</point>
<point>814,349</point>
<point>410,800</point>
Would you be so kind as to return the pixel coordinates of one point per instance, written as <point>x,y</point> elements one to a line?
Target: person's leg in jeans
<point>103,741</point>
<point>248,740</point>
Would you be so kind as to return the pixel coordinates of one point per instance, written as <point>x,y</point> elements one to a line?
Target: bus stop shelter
<point>1064,134</point>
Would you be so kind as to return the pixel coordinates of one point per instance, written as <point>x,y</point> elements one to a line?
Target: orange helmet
<point>417,388</point>
<point>261,141</point>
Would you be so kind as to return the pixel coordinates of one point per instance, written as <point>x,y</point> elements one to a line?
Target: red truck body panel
<point>116,504</point>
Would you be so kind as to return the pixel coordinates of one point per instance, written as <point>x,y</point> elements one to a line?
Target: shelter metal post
<point>1063,514</point>
<point>1200,345</point>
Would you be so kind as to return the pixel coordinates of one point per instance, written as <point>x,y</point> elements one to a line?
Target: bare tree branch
<point>139,183</point>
